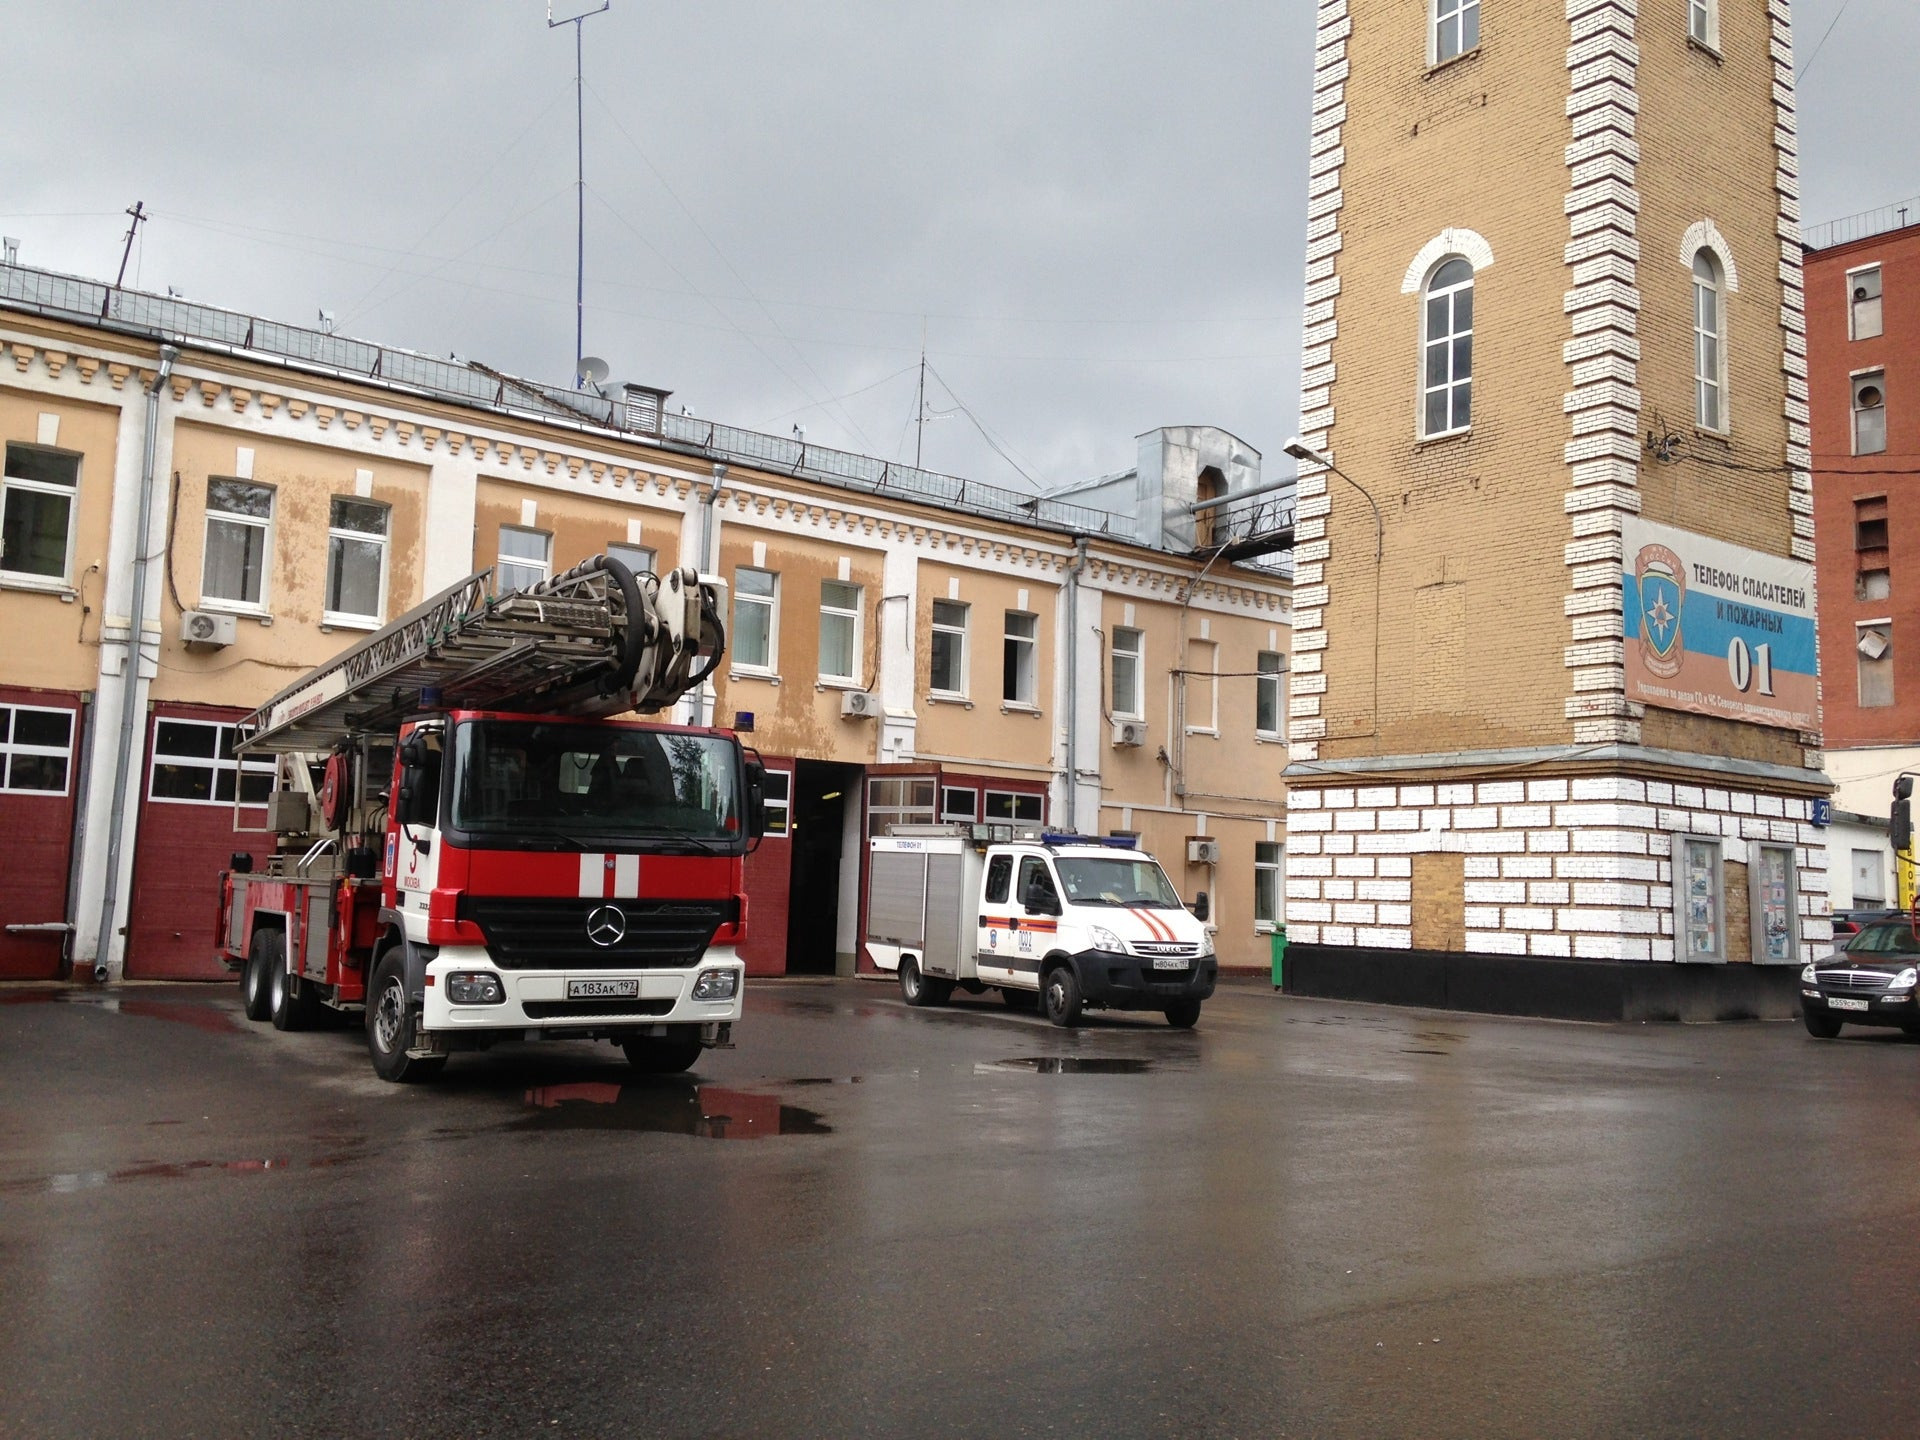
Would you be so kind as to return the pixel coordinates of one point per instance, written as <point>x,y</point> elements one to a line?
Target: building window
<point>949,651</point>
<point>1019,668</point>
<point>1863,312</point>
<point>1869,413</point>
<point>637,558</point>
<point>1869,880</point>
<point>36,749</point>
<point>756,615</point>
<point>839,631</point>
<point>1266,885</point>
<point>1456,28</point>
<point>779,797</point>
<point>1447,377</point>
<point>1019,806</point>
<point>357,561</point>
<point>1873,649</point>
<point>1128,656</point>
<point>525,556</point>
<point>1872,580</point>
<point>1773,904</point>
<point>239,532</point>
<point>1203,686</point>
<point>1703,22</point>
<point>959,803</point>
<point>1709,342</point>
<point>194,764</point>
<point>899,800</point>
<point>36,512</point>
<point>1270,669</point>
<point>1698,925</point>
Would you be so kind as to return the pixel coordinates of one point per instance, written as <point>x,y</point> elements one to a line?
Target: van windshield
<point>1122,880</point>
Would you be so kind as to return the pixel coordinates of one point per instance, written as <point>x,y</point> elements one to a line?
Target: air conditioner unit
<point>1202,851</point>
<point>1129,732</point>
<point>202,627</point>
<point>859,705</point>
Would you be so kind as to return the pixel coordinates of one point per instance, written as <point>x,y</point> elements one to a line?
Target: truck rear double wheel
<point>393,1022</point>
<point>255,996</point>
<point>290,1004</point>
<point>918,988</point>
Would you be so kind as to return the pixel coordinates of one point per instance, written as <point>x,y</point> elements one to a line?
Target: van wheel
<point>392,1024</point>
<point>254,997</point>
<point>1060,994</point>
<point>917,990</point>
<point>1183,1014</point>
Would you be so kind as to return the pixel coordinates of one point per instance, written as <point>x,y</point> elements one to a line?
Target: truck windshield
<point>1123,880</point>
<point>542,780</point>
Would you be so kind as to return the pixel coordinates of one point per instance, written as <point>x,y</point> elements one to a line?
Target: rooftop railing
<point>1867,223</point>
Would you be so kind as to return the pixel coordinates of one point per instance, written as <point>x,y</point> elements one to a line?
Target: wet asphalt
<point>1302,1218</point>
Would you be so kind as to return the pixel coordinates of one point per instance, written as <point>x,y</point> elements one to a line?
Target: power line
<point>1823,41</point>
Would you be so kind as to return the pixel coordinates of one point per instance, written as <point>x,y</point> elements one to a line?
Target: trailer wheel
<point>255,998</point>
<point>658,1055</point>
<point>1183,1014</point>
<point>392,1024</point>
<point>1060,995</point>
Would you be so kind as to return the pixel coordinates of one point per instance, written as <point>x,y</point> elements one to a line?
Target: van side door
<point>1035,904</point>
<point>996,917</point>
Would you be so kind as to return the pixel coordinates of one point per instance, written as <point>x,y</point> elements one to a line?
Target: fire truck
<point>470,848</point>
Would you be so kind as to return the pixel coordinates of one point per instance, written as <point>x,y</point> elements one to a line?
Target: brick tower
<point>1554,692</point>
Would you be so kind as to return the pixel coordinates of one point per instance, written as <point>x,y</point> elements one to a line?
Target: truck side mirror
<point>419,784</point>
<point>1201,908</point>
<point>756,800</point>
<point>1901,822</point>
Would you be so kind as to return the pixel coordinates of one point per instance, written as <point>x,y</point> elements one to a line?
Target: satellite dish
<point>593,369</point>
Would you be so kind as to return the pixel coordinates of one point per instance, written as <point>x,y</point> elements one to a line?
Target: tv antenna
<point>580,183</point>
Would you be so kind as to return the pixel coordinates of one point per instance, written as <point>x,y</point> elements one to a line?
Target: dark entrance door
<point>822,791</point>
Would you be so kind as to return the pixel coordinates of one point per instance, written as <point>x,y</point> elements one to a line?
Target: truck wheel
<point>290,1005</point>
<point>1183,1014</point>
<point>661,1055</point>
<point>392,1024</point>
<point>254,996</point>
<point>914,987</point>
<point>1060,995</point>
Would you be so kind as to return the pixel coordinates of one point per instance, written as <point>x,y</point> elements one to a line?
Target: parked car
<point>1871,980</point>
<point>1852,922</point>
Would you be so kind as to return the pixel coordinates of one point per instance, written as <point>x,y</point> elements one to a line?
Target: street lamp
<point>1299,450</point>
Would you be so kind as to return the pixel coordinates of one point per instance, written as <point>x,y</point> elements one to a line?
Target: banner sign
<point>1718,629</point>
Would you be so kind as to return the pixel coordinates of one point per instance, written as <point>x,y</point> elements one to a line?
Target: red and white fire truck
<point>470,849</point>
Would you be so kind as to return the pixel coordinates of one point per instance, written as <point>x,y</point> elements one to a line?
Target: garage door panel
<point>39,741</point>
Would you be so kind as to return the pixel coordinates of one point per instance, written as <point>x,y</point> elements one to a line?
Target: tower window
<point>1709,342</point>
<point>1447,351</point>
<point>1456,28</point>
<point>1873,644</point>
<point>1869,413</point>
<point>1863,308</point>
<point>1703,22</point>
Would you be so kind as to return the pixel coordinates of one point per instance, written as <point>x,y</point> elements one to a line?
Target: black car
<point>1852,922</point>
<point>1871,980</point>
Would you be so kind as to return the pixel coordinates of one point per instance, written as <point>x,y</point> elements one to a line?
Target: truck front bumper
<point>1130,982</point>
<point>538,1002</point>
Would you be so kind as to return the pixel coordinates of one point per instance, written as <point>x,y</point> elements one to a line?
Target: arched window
<point>1446,379</point>
<point>1709,342</point>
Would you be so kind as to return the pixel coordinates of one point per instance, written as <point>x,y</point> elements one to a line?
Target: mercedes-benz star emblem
<point>607,925</point>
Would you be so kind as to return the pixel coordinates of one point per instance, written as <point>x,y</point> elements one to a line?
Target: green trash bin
<point>1279,939</point>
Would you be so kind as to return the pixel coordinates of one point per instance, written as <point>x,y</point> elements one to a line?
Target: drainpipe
<point>708,563</point>
<point>130,681</point>
<point>1074,572</point>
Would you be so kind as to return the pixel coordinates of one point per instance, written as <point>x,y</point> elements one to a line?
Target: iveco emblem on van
<point>607,925</point>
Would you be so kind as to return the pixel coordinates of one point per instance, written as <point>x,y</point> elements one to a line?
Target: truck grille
<point>551,933</point>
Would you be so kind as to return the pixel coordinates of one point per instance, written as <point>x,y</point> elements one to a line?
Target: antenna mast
<point>920,415</point>
<point>580,183</point>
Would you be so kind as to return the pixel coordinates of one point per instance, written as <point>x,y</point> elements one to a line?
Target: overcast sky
<point>1094,210</point>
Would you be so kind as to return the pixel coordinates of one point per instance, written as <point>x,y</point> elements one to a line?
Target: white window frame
<point>1877,379</point>
<point>1211,674</point>
<point>1018,797</point>
<point>1854,301</point>
<point>1755,903</point>
<point>901,809</point>
<point>1715,384</point>
<point>210,601</point>
<point>1878,899</point>
<point>964,662</point>
<point>1275,868</point>
<point>1129,644</point>
<point>347,618</point>
<point>1439,12</point>
<point>520,562</point>
<point>1861,658</point>
<point>27,579</point>
<point>781,804</point>
<point>1454,334</point>
<point>948,814</point>
<point>1264,680</point>
<point>854,615</point>
<point>626,554</point>
<point>215,763</point>
<point>1685,919</point>
<point>10,747</point>
<point>1027,667</point>
<point>1703,23</point>
<point>770,665</point>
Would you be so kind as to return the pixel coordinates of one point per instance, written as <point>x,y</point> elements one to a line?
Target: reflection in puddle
<point>827,1080</point>
<point>1405,1051</point>
<point>711,1112</point>
<point>72,1182</point>
<point>1065,1065</point>
<point>28,997</point>
<point>198,1013</point>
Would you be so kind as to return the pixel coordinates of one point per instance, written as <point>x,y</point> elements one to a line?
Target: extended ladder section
<point>598,640</point>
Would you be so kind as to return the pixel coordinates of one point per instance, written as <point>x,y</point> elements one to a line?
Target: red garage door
<point>186,834</point>
<point>40,734</point>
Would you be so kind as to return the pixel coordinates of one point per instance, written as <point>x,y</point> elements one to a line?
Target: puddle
<point>29,997</point>
<point>72,1182</point>
<point>825,1080</point>
<point>1065,1065</point>
<point>1438,1037</point>
<point>200,1016</point>
<point>1405,1051</point>
<point>711,1112</point>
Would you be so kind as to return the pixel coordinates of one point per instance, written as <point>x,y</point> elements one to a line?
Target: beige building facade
<point>902,647</point>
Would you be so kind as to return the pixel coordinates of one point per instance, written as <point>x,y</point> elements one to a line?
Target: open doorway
<point>822,794</point>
